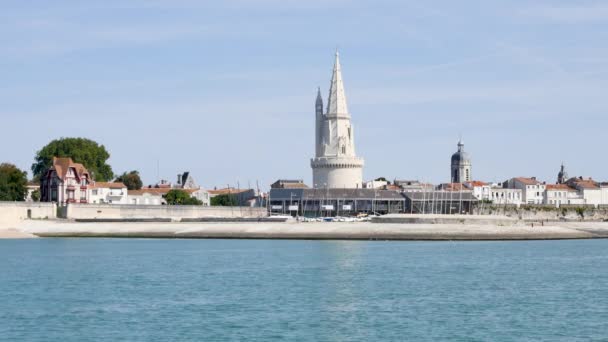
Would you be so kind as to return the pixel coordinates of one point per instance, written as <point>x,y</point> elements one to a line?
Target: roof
<point>110,185</point>
<point>227,191</point>
<point>61,165</point>
<point>452,187</point>
<point>562,187</point>
<point>476,183</point>
<point>527,181</point>
<point>320,194</point>
<point>336,102</point>
<point>289,183</point>
<point>157,191</point>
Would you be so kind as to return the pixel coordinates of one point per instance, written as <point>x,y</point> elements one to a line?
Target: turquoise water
<point>261,290</point>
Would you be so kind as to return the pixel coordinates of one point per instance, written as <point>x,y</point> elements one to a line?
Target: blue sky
<point>226,89</point>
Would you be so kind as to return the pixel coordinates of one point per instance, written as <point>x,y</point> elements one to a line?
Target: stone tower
<point>335,164</point>
<point>461,165</point>
<point>562,175</point>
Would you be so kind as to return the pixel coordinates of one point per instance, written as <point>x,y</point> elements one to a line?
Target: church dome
<point>461,157</point>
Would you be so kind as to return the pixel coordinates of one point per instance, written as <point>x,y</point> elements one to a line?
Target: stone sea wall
<point>176,212</point>
<point>13,212</point>
<point>547,213</point>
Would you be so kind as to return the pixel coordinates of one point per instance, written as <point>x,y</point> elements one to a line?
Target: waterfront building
<point>108,193</point>
<point>439,202</point>
<point>145,196</point>
<point>460,167</point>
<point>185,181</point>
<point>533,191</point>
<point>495,193</point>
<point>336,164</point>
<point>588,189</point>
<point>64,182</point>
<point>562,194</point>
<point>289,184</point>
<point>334,202</point>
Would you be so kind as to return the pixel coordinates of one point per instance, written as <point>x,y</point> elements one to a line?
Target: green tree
<point>224,200</point>
<point>36,195</point>
<point>181,197</point>
<point>132,180</point>
<point>87,152</point>
<point>383,179</point>
<point>13,183</point>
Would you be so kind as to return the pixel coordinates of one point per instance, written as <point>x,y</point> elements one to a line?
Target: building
<point>64,182</point>
<point>289,184</point>
<point>334,202</point>
<point>109,193</point>
<point>460,169</point>
<point>244,197</point>
<point>533,191</point>
<point>562,194</point>
<point>336,164</point>
<point>495,193</point>
<point>375,184</point>
<point>439,202</point>
<point>145,196</point>
<point>588,189</point>
<point>413,185</point>
<point>185,181</point>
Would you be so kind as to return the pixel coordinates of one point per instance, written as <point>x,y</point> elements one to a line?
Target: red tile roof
<point>62,165</point>
<point>562,187</point>
<point>110,185</point>
<point>527,181</point>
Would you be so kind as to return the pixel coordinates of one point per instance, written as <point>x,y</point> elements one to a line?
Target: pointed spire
<point>319,98</point>
<point>336,102</point>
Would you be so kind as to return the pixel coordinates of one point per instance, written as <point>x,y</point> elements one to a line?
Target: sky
<point>226,89</point>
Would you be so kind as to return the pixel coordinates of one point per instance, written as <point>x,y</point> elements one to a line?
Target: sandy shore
<point>316,230</point>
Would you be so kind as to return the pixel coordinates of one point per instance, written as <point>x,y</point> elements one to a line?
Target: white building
<point>108,193</point>
<point>495,193</point>
<point>336,164</point>
<point>562,194</point>
<point>145,197</point>
<point>533,191</point>
<point>375,184</point>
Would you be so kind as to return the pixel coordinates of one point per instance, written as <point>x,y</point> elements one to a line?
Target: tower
<point>562,175</point>
<point>335,164</point>
<point>461,165</point>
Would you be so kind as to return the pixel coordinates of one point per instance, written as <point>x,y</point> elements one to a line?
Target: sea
<point>89,289</point>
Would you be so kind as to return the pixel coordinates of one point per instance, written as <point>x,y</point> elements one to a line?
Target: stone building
<point>336,164</point>
<point>562,175</point>
<point>461,165</point>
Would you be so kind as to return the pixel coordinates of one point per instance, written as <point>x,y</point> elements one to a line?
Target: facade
<point>413,185</point>
<point>588,189</point>
<point>145,197</point>
<point>460,168</point>
<point>334,202</point>
<point>108,193</point>
<point>495,193</point>
<point>533,191</point>
<point>185,181</point>
<point>64,182</point>
<point>375,184</point>
<point>439,202</point>
<point>562,194</point>
<point>336,164</point>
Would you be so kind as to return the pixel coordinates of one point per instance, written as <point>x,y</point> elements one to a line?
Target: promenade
<point>311,230</point>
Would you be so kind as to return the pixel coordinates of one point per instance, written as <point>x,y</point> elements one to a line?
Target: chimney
<point>533,178</point>
<point>179,179</point>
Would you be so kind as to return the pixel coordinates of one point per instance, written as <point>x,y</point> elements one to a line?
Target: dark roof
<point>315,194</point>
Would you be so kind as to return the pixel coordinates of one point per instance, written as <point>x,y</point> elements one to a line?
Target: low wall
<point>118,211</point>
<point>548,213</point>
<point>13,212</point>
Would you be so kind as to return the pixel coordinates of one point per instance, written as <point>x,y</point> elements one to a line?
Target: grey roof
<point>461,156</point>
<point>316,194</point>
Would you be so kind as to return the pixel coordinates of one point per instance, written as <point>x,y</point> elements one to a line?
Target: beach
<point>309,230</point>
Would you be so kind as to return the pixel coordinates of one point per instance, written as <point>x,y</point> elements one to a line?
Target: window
<point>94,192</point>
